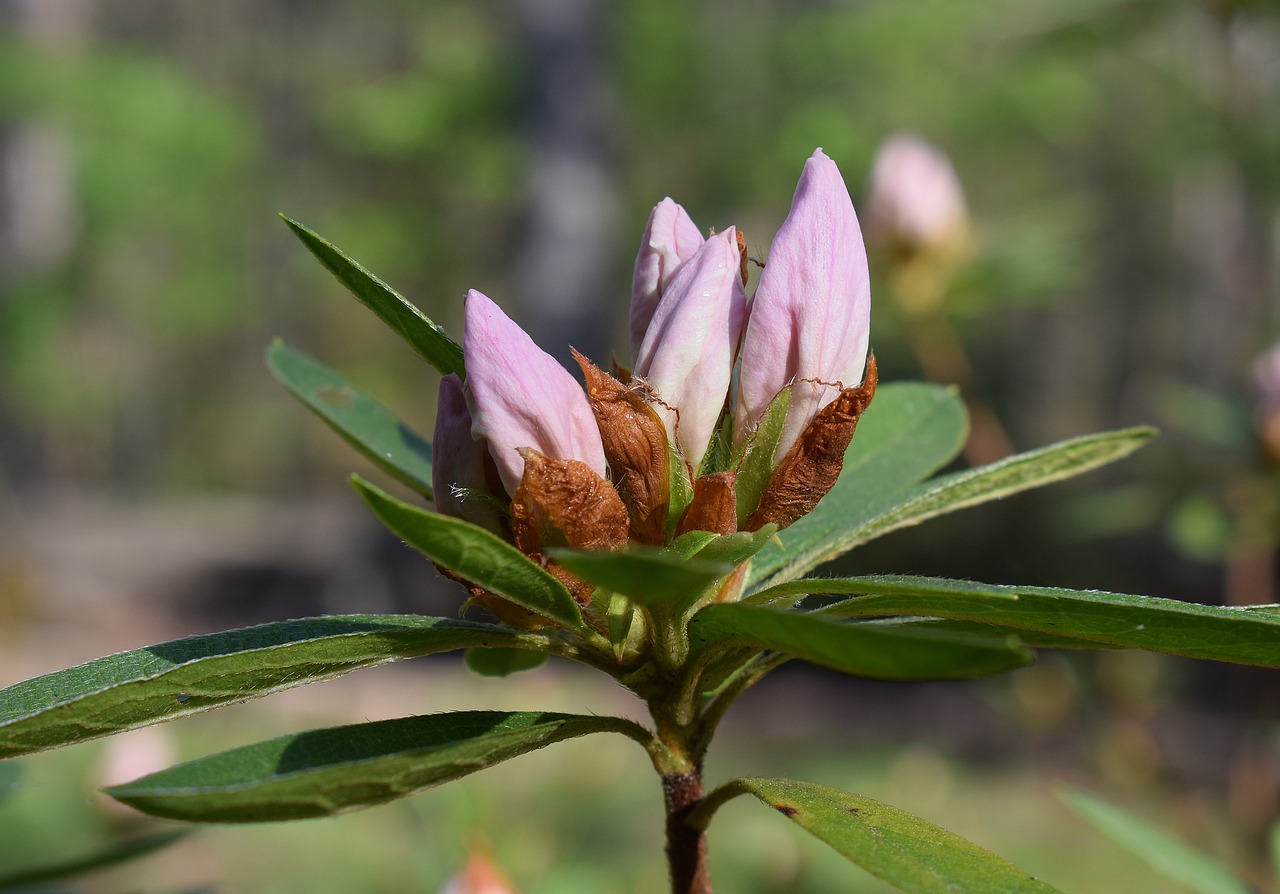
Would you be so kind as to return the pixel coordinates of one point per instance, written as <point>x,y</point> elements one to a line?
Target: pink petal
<point>687,353</point>
<point>670,238</point>
<point>519,396</point>
<point>811,314</point>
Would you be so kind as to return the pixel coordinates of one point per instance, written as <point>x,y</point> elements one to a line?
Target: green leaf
<point>112,855</point>
<point>502,662</point>
<point>755,465</point>
<point>475,554</point>
<point>689,543</point>
<point>738,547</point>
<point>904,850</point>
<point>1112,620</point>
<point>911,430</point>
<point>1011,475</point>
<point>424,335</point>
<point>173,679</point>
<point>876,650</point>
<point>649,576</point>
<point>1156,848</point>
<point>361,421</point>
<point>328,771</point>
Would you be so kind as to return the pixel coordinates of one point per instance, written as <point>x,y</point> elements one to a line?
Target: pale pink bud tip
<point>670,238</point>
<point>916,197</point>
<point>687,353</point>
<point>519,396</point>
<point>811,315</point>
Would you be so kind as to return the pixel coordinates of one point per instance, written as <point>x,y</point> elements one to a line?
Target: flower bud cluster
<point>719,382</point>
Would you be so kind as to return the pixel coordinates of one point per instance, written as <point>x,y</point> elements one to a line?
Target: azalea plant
<point>660,526</point>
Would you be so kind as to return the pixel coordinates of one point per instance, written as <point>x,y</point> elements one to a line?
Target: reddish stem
<point>686,845</point>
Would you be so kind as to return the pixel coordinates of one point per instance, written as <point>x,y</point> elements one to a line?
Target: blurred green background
<point>1121,162</point>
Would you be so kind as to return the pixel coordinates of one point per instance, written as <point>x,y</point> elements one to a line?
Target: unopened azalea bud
<point>916,202</point>
<point>687,354</point>
<point>462,472</point>
<point>1266,374</point>
<point>670,238</point>
<point>811,315</point>
<point>519,396</point>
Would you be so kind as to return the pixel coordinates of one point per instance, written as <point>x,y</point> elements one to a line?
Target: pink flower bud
<point>670,238</point>
<point>687,353</point>
<point>916,199</point>
<point>458,461</point>
<point>810,319</point>
<point>519,396</point>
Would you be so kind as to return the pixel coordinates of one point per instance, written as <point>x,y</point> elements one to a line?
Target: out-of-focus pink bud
<point>480,876</point>
<point>810,319</point>
<point>670,238</point>
<point>916,201</point>
<point>687,353</point>
<point>1266,378</point>
<point>519,396</point>
<point>458,461</point>
<point>1266,375</point>
<point>132,755</point>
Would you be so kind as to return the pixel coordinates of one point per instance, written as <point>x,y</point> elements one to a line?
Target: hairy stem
<point>686,844</point>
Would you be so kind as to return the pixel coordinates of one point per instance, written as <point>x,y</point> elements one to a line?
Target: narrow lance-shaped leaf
<point>961,490</point>
<point>328,771</point>
<point>173,679</point>
<point>911,430</point>
<point>420,331</point>
<point>1113,620</point>
<point>1011,475</point>
<point>361,421</point>
<point>475,554</point>
<point>1158,849</point>
<point>906,851</point>
<point>879,651</point>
